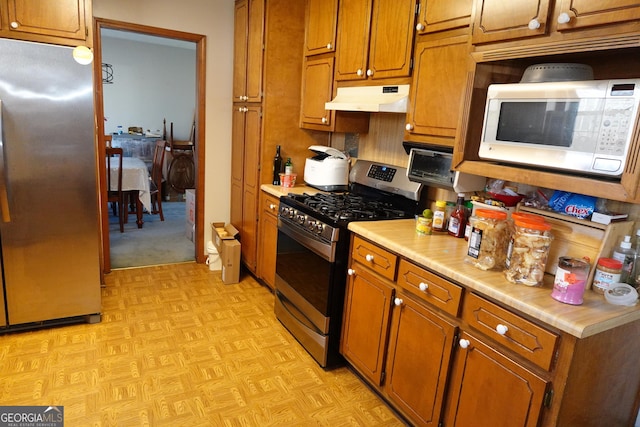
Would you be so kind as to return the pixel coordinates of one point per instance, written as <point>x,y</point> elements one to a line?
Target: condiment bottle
<point>277,166</point>
<point>288,167</point>
<point>608,272</point>
<point>458,218</point>
<point>625,254</point>
<point>439,215</point>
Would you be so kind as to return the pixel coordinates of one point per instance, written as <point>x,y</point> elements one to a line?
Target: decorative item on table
<point>571,280</point>
<point>424,222</point>
<point>528,251</point>
<point>135,130</point>
<point>489,239</point>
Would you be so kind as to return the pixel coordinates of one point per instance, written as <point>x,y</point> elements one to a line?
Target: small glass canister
<point>528,251</point>
<point>489,239</point>
<point>571,280</point>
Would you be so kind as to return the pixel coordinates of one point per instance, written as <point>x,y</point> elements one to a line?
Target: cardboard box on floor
<point>224,239</point>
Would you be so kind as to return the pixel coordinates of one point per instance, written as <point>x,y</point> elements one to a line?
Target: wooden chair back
<point>116,197</point>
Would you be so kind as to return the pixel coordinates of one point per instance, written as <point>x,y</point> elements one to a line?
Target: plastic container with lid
<point>570,280</point>
<point>528,251</point>
<point>488,240</point>
<point>608,272</point>
<point>439,216</point>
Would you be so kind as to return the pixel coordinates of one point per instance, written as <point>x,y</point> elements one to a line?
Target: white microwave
<point>577,126</point>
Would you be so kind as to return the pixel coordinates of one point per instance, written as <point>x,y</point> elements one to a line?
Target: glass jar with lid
<point>488,240</point>
<point>528,251</point>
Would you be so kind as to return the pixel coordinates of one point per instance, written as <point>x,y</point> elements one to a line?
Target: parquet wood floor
<point>177,347</point>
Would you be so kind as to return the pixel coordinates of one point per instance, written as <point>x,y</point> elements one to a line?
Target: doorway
<point>198,120</point>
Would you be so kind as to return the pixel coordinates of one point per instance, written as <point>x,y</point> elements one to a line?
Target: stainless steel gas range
<point>313,251</point>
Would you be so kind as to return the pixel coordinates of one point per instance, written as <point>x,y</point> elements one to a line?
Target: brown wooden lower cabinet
<point>481,365</point>
<point>268,238</point>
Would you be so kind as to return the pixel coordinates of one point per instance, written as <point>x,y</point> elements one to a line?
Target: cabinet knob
<point>368,257</point>
<point>324,120</point>
<point>359,72</point>
<point>423,286</point>
<point>329,46</point>
<point>420,26</point>
<point>534,24</point>
<point>501,329</point>
<point>351,272</point>
<point>398,302</point>
<point>14,24</point>
<point>564,18</point>
<point>464,343</point>
<point>272,206</point>
<point>369,72</point>
<point>408,127</point>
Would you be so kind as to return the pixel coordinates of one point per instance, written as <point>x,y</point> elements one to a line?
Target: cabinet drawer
<point>430,287</point>
<point>377,259</point>
<point>525,338</point>
<point>270,203</point>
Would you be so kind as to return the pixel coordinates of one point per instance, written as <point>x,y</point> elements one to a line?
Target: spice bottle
<point>608,272</point>
<point>288,167</point>
<point>439,215</point>
<point>458,218</point>
<point>277,166</point>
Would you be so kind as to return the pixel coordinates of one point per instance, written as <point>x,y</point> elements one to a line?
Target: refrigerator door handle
<point>4,198</point>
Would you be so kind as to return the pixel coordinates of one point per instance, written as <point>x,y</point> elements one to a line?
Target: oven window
<point>304,271</point>
<point>545,123</point>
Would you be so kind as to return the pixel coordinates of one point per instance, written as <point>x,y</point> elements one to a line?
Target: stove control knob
<point>311,224</point>
<point>300,218</point>
<point>287,212</point>
<point>319,228</point>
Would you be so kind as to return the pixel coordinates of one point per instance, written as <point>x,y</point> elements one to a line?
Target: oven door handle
<point>326,251</point>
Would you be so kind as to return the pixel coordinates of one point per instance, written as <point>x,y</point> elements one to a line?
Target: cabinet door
<point>320,31</point>
<point>365,325</point>
<point>60,18</point>
<point>391,44</point>
<point>587,13</point>
<point>440,15</point>
<point>497,20</point>
<point>352,47</point>
<point>437,90</point>
<point>268,239</point>
<point>251,187</point>
<point>248,42</point>
<point>420,347</point>
<point>237,165</point>
<point>317,87</point>
<point>489,389</point>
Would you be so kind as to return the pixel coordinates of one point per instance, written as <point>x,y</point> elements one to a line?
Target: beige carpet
<point>177,347</point>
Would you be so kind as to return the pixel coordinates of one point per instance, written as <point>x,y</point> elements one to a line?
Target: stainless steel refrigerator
<point>49,225</point>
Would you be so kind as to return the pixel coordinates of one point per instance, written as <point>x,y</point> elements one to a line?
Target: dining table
<point>135,182</point>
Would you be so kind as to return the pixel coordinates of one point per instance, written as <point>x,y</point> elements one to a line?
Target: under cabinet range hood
<point>374,99</point>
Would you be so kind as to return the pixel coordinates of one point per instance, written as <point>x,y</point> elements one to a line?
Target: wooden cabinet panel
<point>440,15</point>
<point>497,20</point>
<point>489,389</point>
<point>321,25</point>
<point>430,287</point>
<point>374,257</point>
<point>268,239</point>
<point>366,322</point>
<point>588,13</point>
<point>317,88</point>
<point>437,90</point>
<point>60,22</point>
<point>354,17</point>
<point>237,165</point>
<point>248,49</point>
<point>420,347</point>
<point>523,337</point>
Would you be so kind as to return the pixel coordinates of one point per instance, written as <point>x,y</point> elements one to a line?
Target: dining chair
<point>115,197</point>
<point>157,178</point>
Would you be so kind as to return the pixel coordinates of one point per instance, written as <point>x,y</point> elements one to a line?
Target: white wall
<point>150,82</point>
<point>214,19</point>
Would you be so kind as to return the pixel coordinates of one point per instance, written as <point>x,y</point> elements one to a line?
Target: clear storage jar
<point>488,240</point>
<point>528,251</point>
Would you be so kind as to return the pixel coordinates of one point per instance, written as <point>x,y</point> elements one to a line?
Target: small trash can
<point>213,261</point>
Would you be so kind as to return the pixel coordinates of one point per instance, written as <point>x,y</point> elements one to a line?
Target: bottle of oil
<point>277,166</point>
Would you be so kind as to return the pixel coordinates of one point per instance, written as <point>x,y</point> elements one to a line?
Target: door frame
<point>199,147</point>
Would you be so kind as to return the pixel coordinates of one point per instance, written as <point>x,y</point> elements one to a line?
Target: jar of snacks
<point>488,240</point>
<point>528,251</point>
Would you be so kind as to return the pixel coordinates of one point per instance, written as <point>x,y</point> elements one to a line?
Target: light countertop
<point>278,191</point>
<point>445,255</point>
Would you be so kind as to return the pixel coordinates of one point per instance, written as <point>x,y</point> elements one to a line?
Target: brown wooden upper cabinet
<point>247,51</point>
<point>320,31</point>
<point>375,39</point>
<point>441,15</point>
<point>498,20</point>
<point>59,22</point>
